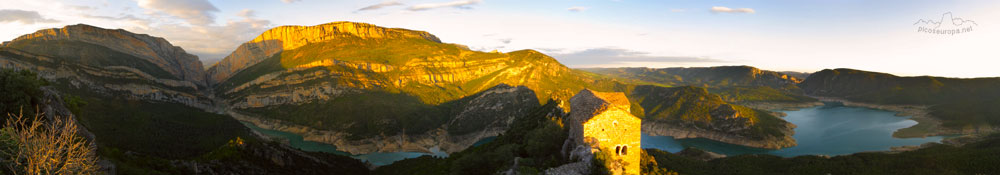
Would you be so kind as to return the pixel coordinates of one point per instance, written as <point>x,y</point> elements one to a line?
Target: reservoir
<point>832,129</point>
<point>377,159</point>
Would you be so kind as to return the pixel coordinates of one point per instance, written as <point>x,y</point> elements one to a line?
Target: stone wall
<point>603,122</point>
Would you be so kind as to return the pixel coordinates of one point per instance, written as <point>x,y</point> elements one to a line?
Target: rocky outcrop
<point>156,50</point>
<point>283,38</point>
<point>494,108</point>
<point>366,75</point>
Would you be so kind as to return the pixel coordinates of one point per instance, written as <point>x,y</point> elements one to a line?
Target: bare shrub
<point>35,146</point>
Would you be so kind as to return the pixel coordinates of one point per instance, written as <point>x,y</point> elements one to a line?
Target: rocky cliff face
<point>318,84</point>
<point>156,50</point>
<point>111,63</point>
<point>284,38</point>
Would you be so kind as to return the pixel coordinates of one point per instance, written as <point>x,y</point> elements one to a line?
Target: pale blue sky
<point>790,35</point>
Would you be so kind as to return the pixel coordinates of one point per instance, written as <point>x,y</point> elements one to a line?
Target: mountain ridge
<point>278,39</point>
<point>157,50</point>
<point>962,104</point>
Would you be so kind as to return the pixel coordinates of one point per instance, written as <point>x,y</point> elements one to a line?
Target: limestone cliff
<point>284,38</point>
<point>110,63</point>
<point>156,50</point>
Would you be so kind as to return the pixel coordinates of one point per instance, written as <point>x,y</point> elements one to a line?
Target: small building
<point>602,121</point>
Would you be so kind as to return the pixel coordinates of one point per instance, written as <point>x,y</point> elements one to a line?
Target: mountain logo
<point>946,25</point>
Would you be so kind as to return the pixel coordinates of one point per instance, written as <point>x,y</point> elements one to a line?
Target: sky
<point>902,37</point>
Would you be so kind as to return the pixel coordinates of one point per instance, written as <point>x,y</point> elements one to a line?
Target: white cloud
<point>678,10</point>
<point>209,42</point>
<point>196,12</point>
<point>247,13</point>
<point>23,16</point>
<point>577,9</point>
<point>380,5</point>
<point>290,1</point>
<point>81,7</point>
<point>131,19</point>
<point>720,9</point>
<point>463,4</point>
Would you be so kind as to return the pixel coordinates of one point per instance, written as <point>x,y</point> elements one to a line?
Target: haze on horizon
<point>781,35</point>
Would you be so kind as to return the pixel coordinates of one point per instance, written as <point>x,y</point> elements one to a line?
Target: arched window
<point>618,150</point>
<point>625,150</point>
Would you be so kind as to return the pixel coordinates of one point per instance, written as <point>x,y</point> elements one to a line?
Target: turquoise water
<point>377,159</point>
<point>484,141</point>
<point>832,129</point>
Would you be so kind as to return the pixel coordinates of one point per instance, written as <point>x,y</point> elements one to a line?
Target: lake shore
<point>926,125</point>
<point>682,132</point>
<point>775,108</point>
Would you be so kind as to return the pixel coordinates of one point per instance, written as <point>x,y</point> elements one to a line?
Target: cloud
<point>210,42</point>
<point>23,16</point>
<point>137,21</point>
<point>506,40</point>
<point>720,9</point>
<point>678,10</point>
<point>577,9</point>
<point>290,1</point>
<point>463,4</point>
<point>196,12</point>
<point>247,13</point>
<point>81,7</point>
<point>380,5</point>
<point>605,56</point>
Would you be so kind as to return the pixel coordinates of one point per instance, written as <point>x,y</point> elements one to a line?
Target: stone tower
<point>602,121</point>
